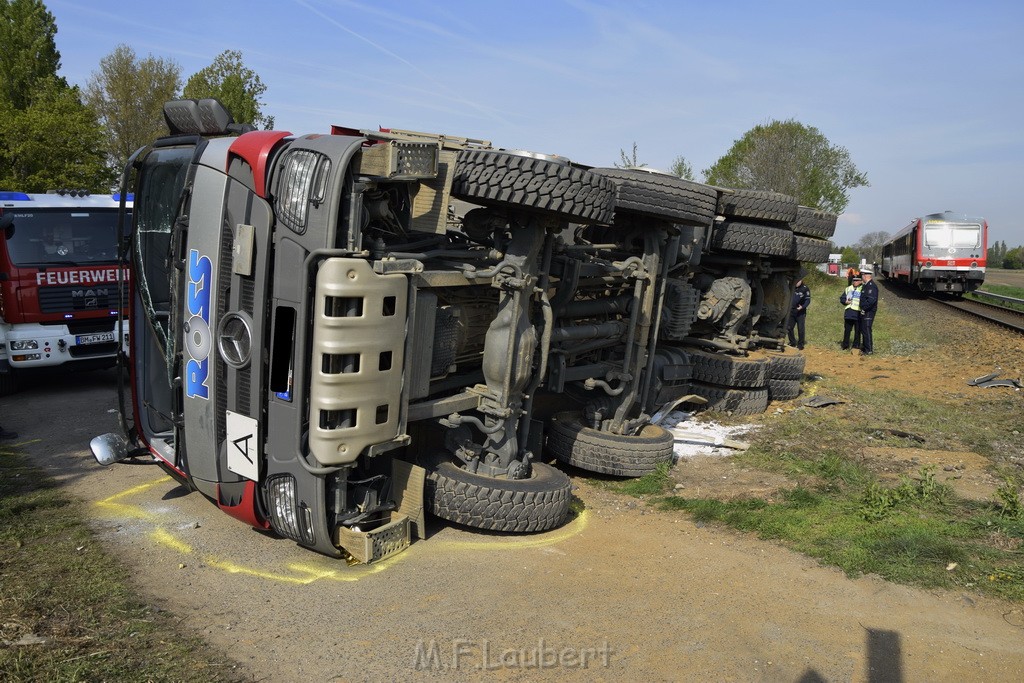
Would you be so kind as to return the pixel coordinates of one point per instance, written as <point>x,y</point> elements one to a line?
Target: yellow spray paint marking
<point>305,573</point>
<point>6,450</point>
<point>524,542</point>
<point>165,538</point>
<point>112,505</point>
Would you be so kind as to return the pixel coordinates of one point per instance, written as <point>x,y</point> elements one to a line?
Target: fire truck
<point>59,281</point>
<point>322,345</point>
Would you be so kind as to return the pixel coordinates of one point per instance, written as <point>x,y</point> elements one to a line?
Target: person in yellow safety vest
<point>851,316</point>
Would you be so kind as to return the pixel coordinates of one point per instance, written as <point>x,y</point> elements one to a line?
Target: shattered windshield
<point>161,180</point>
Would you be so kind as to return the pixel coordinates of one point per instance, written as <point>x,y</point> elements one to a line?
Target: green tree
<point>789,157</point>
<point>238,87</point>
<point>54,143</point>
<point>28,51</point>
<point>850,255</point>
<point>681,168</point>
<point>48,138</point>
<point>127,95</point>
<point>1014,259</point>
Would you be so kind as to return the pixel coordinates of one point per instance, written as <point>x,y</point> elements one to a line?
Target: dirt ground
<point>632,592</point>
<point>972,349</point>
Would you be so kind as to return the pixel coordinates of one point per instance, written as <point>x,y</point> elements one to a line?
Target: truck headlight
<point>23,344</point>
<point>286,516</point>
<point>304,176</point>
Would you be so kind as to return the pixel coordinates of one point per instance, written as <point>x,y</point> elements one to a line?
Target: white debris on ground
<point>694,437</point>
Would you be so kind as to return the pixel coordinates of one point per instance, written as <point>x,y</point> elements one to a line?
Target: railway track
<point>1000,315</point>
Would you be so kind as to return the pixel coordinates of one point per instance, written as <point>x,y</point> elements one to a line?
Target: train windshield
<point>952,235</point>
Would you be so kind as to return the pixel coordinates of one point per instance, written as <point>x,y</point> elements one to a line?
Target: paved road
<point>627,592</point>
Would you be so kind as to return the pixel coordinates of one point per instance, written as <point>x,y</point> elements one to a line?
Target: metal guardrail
<point>999,297</point>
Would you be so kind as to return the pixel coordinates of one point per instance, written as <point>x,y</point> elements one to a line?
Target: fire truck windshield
<point>63,237</point>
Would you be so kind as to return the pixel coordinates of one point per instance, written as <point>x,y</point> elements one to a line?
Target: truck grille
<point>78,298</point>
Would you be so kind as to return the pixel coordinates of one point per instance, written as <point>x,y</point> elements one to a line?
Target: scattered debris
<point>29,639</point>
<point>703,438</point>
<point>984,378</point>
<point>989,381</point>
<point>821,401</point>
<point>897,432</point>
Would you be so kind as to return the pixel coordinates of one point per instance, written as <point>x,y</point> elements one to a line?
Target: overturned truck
<point>324,346</point>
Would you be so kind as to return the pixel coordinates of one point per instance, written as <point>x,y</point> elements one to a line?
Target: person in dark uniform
<point>868,305</point>
<point>851,314</point>
<point>798,311</point>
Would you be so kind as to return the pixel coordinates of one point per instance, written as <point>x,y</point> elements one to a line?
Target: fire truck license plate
<point>96,338</point>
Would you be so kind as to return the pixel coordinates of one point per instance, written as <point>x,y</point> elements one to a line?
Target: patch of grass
<point>840,513</point>
<point>657,481</point>
<point>58,584</point>
<point>918,542</point>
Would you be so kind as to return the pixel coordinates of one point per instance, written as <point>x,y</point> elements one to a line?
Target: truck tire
<point>814,223</point>
<point>728,371</point>
<point>497,178</point>
<point>786,365</point>
<point>572,442</point>
<point>729,400</point>
<point>538,503</point>
<point>810,249</point>
<point>783,389</point>
<point>758,205</point>
<point>751,238</point>
<point>661,196</point>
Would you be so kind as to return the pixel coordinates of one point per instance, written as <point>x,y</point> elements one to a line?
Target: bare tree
<point>681,168</point>
<point>128,95</point>
<point>869,246</point>
<point>629,160</point>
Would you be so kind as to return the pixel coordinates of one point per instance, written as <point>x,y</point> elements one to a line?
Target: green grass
<point>57,583</point>
<point>916,541</point>
<point>1002,290</point>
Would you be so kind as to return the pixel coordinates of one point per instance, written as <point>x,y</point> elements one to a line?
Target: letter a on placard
<point>243,445</point>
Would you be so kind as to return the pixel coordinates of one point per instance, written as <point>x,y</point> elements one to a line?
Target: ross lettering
<point>196,375</point>
<point>197,300</point>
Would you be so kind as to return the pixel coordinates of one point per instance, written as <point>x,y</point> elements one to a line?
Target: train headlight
<point>927,264</point>
<point>287,516</point>
<point>23,344</point>
<point>974,264</point>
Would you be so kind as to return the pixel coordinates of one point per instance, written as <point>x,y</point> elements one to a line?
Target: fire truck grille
<point>77,298</point>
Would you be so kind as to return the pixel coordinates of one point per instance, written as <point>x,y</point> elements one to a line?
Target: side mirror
<point>7,225</point>
<point>109,448</point>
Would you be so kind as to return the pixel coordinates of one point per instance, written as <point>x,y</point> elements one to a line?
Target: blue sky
<point>928,97</point>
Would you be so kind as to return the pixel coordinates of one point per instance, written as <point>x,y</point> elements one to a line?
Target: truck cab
<point>60,282</point>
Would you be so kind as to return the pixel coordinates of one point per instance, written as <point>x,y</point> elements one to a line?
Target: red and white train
<point>940,252</point>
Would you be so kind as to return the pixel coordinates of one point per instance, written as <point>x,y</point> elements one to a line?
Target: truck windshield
<point>63,236</point>
<point>161,180</point>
